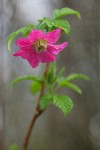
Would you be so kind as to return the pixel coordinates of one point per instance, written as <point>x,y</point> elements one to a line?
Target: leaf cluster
<point>54,83</point>
<point>47,24</point>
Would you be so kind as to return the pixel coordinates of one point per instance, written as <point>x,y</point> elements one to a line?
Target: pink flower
<point>39,47</point>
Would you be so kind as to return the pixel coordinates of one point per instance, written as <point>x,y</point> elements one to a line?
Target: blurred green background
<point>80,130</point>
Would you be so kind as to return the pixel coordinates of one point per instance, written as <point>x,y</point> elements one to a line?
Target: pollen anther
<point>40,45</point>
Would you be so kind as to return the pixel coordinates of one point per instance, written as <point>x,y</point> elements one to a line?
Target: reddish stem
<point>37,110</point>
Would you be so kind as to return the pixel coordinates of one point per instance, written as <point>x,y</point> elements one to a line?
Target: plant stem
<point>37,110</point>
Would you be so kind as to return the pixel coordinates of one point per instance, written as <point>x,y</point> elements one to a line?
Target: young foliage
<point>45,101</point>
<point>56,23</point>
<point>25,31</point>
<point>52,73</point>
<point>35,87</point>
<point>71,86</point>
<point>63,102</point>
<point>75,76</point>
<point>14,147</point>
<point>41,26</point>
<point>32,78</point>
<point>67,81</point>
<point>58,13</point>
<point>63,24</point>
<point>61,72</point>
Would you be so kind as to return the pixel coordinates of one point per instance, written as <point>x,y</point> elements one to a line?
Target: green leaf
<point>49,22</point>
<point>25,31</point>
<point>63,102</point>
<point>71,86</point>
<point>52,73</point>
<point>32,78</point>
<point>41,26</point>
<point>61,72</point>
<point>14,147</point>
<point>10,38</point>
<point>45,101</point>
<point>57,23</point>
<point>75,76</point>
<point>58,13</point>
<point>60,79</point>
<point>35,87</point>
<point>53,67</point>
<point>63,24</point>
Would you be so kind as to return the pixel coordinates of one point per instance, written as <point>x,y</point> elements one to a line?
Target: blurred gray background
<point>81,129</point>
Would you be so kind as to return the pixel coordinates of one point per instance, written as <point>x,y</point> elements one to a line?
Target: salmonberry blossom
<point>39,47</point>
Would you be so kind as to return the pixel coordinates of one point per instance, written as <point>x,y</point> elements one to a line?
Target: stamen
<point>40,45</point>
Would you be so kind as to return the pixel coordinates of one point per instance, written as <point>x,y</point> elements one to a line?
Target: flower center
<point>40,45</point>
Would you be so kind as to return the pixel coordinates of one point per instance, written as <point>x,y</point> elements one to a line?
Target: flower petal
<point>55,49</point>
<point>18,53</point>
<point>33,60</point>
<point>23,54</point>
<point>31,57</point>
<point>47,57</point>
<point>52,37</point>
<point>35,34</point>
<point>22,42</point>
